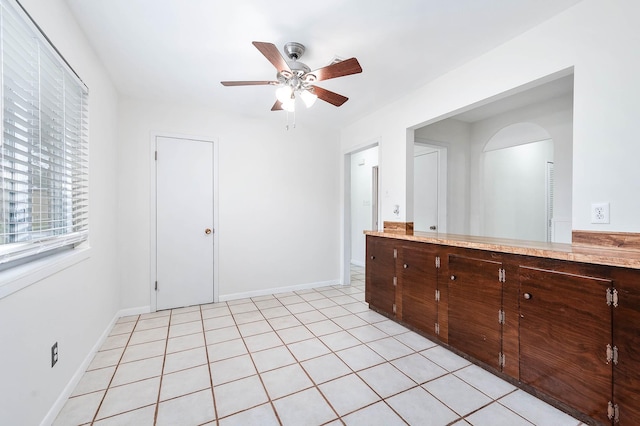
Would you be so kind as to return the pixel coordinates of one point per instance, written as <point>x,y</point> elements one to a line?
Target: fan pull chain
<point>294,121</point>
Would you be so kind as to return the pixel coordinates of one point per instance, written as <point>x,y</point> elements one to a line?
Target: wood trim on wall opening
<point>604,239</point>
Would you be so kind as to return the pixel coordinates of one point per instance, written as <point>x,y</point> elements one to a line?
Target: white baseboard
<point>82,368</point>
<point>276,290</point>
<point>134,311</point>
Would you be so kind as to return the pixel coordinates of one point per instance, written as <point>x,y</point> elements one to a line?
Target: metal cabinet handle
<point>527,296</point>
<point>207,231</point>
<point>405,266</point>
<point>453,277</point>
<point>373,257</point>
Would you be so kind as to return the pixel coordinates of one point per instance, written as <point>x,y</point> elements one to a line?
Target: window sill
<point>19,277</point>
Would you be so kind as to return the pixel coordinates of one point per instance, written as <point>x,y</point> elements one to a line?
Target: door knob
<point>527,296</point>
<point>207,231</point>
<point>453,277</point>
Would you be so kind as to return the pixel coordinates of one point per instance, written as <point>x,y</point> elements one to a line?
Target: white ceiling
<point>180,50</point>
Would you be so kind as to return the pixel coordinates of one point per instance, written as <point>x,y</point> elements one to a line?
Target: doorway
<point>361,204</point>
<point>429,188</point>
<point>183,201</point>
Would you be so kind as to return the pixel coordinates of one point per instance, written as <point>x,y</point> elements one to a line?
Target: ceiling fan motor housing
<point>294,50</point>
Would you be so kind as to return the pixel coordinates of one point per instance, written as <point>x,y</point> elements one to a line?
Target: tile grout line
<point>115,371</point>
<point>254,366</point>
<point>164,360</point>
<point>206,351</point>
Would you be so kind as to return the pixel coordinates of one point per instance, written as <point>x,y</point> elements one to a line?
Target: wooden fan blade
<point>277,106</point>
<point>339,69</point>
<point>329,96</point>
<point>248,83</point>
<point>271,52</point>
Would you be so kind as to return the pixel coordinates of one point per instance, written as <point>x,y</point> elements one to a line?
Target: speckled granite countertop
<point>577,253</point>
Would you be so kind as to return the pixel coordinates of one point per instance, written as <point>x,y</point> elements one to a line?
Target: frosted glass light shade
<point>283,94</point>
<point>308,98</point>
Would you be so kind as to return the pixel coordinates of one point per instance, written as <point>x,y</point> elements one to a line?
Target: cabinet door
<point>626,338</point>
<point>417,285</point>
<point>565,327</point>
<point>380,291</point>
<point>475,301</point>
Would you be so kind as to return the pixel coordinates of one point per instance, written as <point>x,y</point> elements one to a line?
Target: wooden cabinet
<point>565,329</point>
<point>475,306</point>
<point>417,275</point>
<point>626,344</point>
<point>380,290</point>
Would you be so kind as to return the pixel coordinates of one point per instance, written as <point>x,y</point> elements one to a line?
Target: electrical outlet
<point>54,354</point>
<point>600,213</point>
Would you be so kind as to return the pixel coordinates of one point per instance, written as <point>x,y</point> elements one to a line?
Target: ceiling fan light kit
<point>295,78</point>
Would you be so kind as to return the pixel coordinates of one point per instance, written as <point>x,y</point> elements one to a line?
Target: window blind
<point>44,147</point>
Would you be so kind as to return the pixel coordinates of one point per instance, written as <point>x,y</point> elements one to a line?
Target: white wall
<point>76,305</point>
<point>514,192</point>
<point>279,217</point>
<point>595,38</point>
<point>556,117</point>
<point>362,163</point>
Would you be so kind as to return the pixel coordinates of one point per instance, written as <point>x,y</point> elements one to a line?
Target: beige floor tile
<point>263,341</point>
<point>348,393</point>
<point>193,409</point>
<point>129,397</point>
<point>390,348</point>
<point>144,350</point>
<point>294,334</point>
<point>186,359</point>
<point>140,417</point>
<point>378,414</point>
<point>256,327</point>
<point>181,343</point>
<point>307,349</point>
<point>419,368</point>
<point>325,368</point>
<point>79,410</point>
<point>386,380</point>
<point>417,407</point>
<point>270,359</point>
<point>107,358</point>
<point>239,395</point>
<point>262,415</point>
<point>93,381</point>
<point>138,370</point>
<point>231,369</point>
<point>224,350</point>
<point>304,408</point>
<point>184,382</point>
<point>285,381</point>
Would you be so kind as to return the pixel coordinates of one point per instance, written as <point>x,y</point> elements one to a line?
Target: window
<point>44,146</point>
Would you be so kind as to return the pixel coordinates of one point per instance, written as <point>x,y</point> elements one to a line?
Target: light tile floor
<point>309,357</point>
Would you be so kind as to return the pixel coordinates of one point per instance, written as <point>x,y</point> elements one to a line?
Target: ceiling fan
<point>296,79</point>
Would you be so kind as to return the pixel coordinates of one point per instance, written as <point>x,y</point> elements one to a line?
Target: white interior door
<point>425,186</point>
<point>184,222</point>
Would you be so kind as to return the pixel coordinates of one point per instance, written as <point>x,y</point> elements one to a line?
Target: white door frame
<point>152,208</point>
<point>346,202</point>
